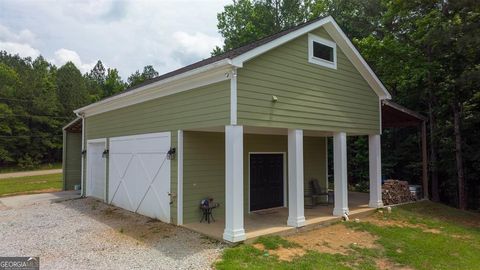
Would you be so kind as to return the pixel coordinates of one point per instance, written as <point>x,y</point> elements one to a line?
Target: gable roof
<point>226,55</point>
<point>236,57</point>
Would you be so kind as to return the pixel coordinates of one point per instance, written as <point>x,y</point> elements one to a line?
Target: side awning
<point>397,116</point>
<point>75,126</point>
<point>394,115</point>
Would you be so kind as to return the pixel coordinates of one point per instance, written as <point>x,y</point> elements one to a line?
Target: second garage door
<point>139,174</point>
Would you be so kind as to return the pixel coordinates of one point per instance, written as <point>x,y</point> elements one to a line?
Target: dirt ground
<point>283,254</point>
<point>377,219</point>
<point>336,239</point>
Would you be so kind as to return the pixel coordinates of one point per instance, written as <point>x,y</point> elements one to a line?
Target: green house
<point>248,129</point>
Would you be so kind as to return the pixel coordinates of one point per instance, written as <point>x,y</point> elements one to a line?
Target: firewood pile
<point>396,191</point>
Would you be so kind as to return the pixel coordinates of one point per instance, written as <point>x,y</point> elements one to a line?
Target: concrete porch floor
<point>274,221</point>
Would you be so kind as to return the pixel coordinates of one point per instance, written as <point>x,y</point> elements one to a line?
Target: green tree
<point>37,100</point>
<point>95,81</point>
<point>44,110</point>
<point>137,78</point>
<point>425,52</point>
<point>245,21</point>
<point>9,80</point>
<point>71,88</point>
<point>113,83</point>
<point>439,76</point>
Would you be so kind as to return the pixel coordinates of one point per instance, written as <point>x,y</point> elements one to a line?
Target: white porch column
<point>234,231</point>
<point>296,217</point>
<point>340,173</point>
<point>375,168</point>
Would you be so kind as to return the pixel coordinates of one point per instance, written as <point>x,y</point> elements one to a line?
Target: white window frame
<point>319,61</point>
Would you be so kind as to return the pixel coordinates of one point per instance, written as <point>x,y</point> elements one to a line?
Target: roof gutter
<point>216,65</point>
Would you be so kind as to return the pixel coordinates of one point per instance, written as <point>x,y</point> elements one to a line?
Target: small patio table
<point>207,208</point>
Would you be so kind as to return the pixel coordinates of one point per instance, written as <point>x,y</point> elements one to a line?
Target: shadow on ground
<point>127,226</point>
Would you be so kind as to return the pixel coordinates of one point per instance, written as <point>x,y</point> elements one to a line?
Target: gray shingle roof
<point>227,55</point>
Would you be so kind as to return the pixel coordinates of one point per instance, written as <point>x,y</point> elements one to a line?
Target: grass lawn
<point>423,235</point>
<point>30,184</point>
<point>40,167</point>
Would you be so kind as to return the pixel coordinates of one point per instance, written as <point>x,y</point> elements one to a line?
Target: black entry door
<point>266,181</point>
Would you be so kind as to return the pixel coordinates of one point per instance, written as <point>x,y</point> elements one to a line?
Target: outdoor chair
<point>316,191</point>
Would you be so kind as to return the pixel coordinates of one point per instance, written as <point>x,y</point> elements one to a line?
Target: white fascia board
<point>338,36</point>
<point>239,60</point>
<point>202,76</point>
<point>357,60</point>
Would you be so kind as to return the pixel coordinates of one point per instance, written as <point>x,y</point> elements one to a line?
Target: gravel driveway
<point>86,234</point>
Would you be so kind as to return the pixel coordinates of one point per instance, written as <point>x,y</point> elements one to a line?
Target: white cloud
<point>24,50</point>
<point>94,10</point>
<point>23,36</point>
<point>124,34</point>
<point>192,47</point>
<point>18,43</point>
<point>63,56</point>
<point>198,43</point>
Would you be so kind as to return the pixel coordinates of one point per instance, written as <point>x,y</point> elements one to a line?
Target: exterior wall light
<point>171,153</point>
<point>105,153</point>
<point>274,99</point>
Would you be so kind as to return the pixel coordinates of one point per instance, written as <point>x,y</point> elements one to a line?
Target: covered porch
<point>237,219</point>
<point>273,221</point>
<point>228,177</point>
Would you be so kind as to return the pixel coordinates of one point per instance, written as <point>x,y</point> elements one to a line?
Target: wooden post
<point>424,161</point>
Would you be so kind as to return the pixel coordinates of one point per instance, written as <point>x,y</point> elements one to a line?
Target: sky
<point>123,34</point>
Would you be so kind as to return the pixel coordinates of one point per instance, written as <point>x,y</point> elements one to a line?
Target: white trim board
<point>338,37</point>
<point>180,177</point>
<point>284,154</point>
<point>319,61</point>
<point>187,81</point>
<point>357,60</point>
<point>141,136</point>
<point>233,97</point>
<point>326,163</point>
<point>82,164</point>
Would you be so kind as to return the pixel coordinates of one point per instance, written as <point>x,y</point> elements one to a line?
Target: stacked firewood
<point>396,191</point>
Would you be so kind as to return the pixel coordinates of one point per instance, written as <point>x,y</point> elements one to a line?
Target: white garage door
<point>96,169</point>
<point>139,174</point>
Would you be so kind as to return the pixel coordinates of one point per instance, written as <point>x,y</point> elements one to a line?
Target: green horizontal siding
<point>196,108</point>
<point>203,173</point>
<point>204,166</point>
<point>315,162</point>
<point>72,160</point>
<point>309,96</point>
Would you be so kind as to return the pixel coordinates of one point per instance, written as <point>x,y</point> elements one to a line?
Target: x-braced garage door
<point>139,174</point>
